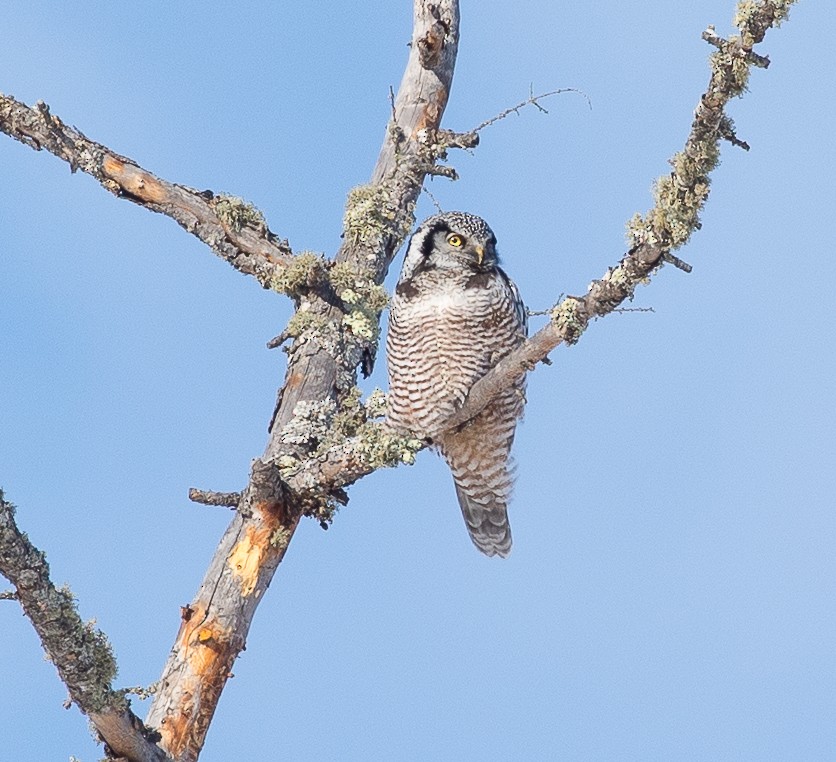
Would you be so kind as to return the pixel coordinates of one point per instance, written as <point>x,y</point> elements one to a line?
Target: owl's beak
<point>480,254</point>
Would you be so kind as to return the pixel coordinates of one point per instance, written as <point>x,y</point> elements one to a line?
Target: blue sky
<point>671,590</point>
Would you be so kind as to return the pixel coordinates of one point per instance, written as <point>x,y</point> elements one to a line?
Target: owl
<point>453,316</point>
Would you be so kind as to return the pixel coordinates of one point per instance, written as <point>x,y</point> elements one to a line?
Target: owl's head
<point>451,240</point>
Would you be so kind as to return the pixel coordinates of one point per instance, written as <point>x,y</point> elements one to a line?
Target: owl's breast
<point>440,342</point>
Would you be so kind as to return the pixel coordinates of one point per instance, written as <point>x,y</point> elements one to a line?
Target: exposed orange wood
<point>135,181</point>
<point>245,559</point>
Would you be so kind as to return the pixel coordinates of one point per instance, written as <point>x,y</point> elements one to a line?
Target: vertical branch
<point>322,367</point>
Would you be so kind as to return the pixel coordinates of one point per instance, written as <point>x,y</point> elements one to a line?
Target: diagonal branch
<point>80,652</point>
<point>234,230</point>
<point>680,197</point>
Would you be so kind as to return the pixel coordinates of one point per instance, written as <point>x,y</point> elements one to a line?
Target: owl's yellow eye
<point>455,240</point>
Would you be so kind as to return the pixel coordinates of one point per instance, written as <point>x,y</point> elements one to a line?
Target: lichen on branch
<point>79,650</point>
<point>681,195</point>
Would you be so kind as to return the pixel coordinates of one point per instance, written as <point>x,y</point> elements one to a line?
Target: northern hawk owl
<point>454,315</point>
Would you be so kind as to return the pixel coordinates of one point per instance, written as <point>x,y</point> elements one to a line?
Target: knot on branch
<point>570,319</point>
<point>58,139</point>
<point>735,47</point>
<point>431,44</point>
<point>267,488</point>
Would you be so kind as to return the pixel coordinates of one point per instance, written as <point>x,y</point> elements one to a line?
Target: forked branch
<point>680,196</point>
<point>331,339</point>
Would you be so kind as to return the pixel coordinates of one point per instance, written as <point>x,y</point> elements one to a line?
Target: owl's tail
<point>478,456</point>
<point>487,524</point>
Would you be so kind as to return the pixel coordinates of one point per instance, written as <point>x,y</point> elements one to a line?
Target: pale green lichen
<point>381,447</point>
<point>619,277</point>
<point>355,285</point>
<point>305,270</point>
<point>376,404</point>
<point>733,65</point>
<point>565,316</point>
<point>287,463</point>
<point>362,324</point>
<point>679,198</point>
<point>370,216</point>
<point>237,213</point>
<point>100,669</point>
<point>305,320</point>
<point>364,299</point>
<point>366,217</point>
<point>748,12</point>
<point>350,416</point>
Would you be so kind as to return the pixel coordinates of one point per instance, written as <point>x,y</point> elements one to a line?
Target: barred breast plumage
<point>454,315</point>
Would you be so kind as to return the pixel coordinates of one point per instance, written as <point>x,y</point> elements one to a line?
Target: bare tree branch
<point>532,100</point>
<point>234,230</point>
<point>329,345</point>
<point>207,497</point>
<point>79,651</point>
<point>669,224</point>
<point>334,333</point>
<point>680,197</point>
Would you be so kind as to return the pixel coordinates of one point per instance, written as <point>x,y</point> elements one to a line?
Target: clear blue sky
<point>671,590</point>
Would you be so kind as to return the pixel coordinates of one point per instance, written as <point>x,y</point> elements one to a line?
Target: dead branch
<point>332,338</point>
<point>233,229</point>
<point>328,348</point>
<point>532,100</point>
<point>207,497</point>
<point>669,224</point>
<point>79,651</point>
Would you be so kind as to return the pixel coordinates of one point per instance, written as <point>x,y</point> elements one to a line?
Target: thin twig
<point>633,309</point>
<point>679,264</point>
<point>208,497</point>
<point>433,199</point>
<point>532,100</point>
